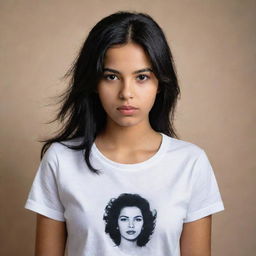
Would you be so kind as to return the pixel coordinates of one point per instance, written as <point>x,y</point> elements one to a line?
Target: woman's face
<point>130,222</point>
<point>127,80</point>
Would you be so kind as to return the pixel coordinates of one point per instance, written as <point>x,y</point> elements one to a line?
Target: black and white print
<point>129,221</point>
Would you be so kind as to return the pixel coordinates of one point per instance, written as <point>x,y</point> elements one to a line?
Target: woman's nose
<point>131,224</point>
<point>126,89</point>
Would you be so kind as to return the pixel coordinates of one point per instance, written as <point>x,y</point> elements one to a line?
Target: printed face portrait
<point>130,222</point>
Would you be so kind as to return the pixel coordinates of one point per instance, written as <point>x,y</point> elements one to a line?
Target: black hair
<point>112,212</point>
<point>81,112</point>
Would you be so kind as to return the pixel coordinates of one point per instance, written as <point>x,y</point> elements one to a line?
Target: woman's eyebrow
<point>135,72</point>
<point>133,217</point>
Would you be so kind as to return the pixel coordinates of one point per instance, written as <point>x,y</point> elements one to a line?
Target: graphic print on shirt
<point>129,221</point>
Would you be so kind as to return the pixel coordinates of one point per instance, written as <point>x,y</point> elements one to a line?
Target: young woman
<point>118,138</point>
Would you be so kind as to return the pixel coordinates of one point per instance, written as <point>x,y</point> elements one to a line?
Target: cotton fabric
<point>177,183</point>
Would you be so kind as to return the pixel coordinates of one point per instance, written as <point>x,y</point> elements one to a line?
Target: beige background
<point>213,43</point>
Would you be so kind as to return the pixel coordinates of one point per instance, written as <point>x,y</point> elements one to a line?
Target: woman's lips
<point>127,111</point>
<point>130,232</point>
<point>126,107</point>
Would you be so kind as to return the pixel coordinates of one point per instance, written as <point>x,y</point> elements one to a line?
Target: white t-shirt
<point>129,209</point>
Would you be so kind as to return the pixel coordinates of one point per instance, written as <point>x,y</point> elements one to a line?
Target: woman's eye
<point>143,77</point>
<point>123,219</point>
<point>110,77</point>
<point>138,219</point>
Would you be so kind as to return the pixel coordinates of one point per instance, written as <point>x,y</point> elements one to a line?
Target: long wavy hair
<point>112,212</point>
<point>81,113</point>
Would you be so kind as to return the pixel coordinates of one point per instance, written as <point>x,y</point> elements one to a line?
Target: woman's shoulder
<point>63,147</point>
<point>183,146</point>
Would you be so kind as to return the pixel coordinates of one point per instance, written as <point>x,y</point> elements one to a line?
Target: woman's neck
<point>131,138</point>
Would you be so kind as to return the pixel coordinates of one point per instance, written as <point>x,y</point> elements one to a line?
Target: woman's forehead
<point>128,55</point>
<point>130,210</point>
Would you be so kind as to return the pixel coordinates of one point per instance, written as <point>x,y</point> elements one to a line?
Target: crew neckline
<point>131,167</point>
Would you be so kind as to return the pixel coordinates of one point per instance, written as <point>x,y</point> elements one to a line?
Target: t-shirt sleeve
<point>205,196</point>
<point>43,196</point>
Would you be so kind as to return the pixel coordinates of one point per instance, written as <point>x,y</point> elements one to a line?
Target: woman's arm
<point>50,237</point>
<point>196,238</point>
